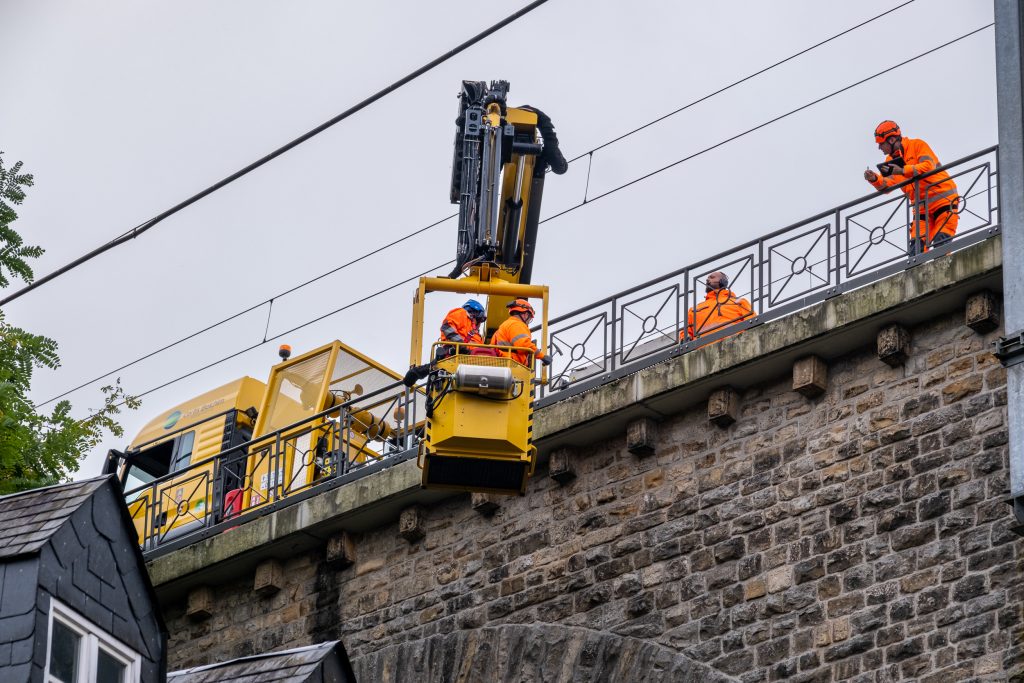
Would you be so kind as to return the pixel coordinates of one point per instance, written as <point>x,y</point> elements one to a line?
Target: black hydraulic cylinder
<point>510,234</point>
<point>532,222</point>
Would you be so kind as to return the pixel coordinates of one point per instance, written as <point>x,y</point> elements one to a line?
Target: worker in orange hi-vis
<point>719,309</point>
<point>515,332</point>
<point>934,196</point>
<point>462,326</point>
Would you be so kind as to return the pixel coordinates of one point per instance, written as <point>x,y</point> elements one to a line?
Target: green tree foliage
<point>37,448</point>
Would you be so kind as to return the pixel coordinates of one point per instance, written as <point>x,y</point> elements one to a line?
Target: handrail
<point>776,233</point>
<point>850,245</point>
<point>269,436</point>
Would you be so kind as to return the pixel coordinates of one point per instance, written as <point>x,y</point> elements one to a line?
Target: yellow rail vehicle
<point>250,443</point>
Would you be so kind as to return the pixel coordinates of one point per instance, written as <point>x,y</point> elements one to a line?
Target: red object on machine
<point>232,503</point>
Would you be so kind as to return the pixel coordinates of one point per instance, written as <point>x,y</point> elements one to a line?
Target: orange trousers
<point>926,228</point>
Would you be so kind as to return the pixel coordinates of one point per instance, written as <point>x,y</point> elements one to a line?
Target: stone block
<point>562,466</point>
<point>981,313</point>
<point>810,376</point>
<point>893,344</point>
<point>484,503</point>
<point>779,579</point>
<point>341,551</point>
<point>410,524</point>
<point>723,406</point>
<point>269,578</point>
<point>642,436</point>
<point>200,603</point>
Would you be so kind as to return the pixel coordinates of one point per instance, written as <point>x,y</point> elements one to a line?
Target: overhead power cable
<point>600,196</point>
<point>741,81</point>
<point>143,227</point>
<point>267,340</point>
<point>689,157</point>
<point>250,309</point>
<point>436,223</point>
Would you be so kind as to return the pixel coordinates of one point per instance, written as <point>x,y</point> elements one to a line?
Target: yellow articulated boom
<point>479,415</point>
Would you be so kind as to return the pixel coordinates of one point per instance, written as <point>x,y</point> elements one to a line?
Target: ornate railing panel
<point>789,269</point>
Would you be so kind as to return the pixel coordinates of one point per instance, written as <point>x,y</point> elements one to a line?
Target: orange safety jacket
<point>459,327</point>
<point>514,332</point>
<point>719,309</point>
<point>938,191</point>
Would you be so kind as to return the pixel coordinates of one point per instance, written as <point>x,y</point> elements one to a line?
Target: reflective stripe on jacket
<point>514,332</point>
<point>460,328</point>
<point>719,309</point>
<point>918,159</point>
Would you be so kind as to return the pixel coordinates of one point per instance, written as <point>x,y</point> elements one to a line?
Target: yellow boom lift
<point>249,444</point>
<point>479,412</point>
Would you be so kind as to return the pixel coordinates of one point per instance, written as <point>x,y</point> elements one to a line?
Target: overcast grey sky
<point>122,109</point>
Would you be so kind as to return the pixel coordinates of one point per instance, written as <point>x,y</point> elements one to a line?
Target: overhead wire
<point>748,131</point>
<point>603,195</point>
<point>147,225</point>
<point>250,309</point>
<point>740,81</point>
<point>267,340</point>
<point>439,222</point>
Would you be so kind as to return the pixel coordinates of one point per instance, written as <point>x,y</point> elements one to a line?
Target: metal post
<point>1008,16</point>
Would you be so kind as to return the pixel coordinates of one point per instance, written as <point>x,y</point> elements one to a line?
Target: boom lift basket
<point>479,427</point>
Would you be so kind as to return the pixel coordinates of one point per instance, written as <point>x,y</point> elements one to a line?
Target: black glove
<point>546,360</point>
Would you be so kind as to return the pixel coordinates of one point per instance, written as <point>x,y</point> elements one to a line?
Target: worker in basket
<point>934,197</point>
<point>515,332</point>
<point>462,326</point>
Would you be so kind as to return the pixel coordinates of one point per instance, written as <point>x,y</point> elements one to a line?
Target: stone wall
<point>859,535</point>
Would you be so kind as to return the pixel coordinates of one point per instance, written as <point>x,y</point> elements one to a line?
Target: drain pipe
<point>1010,349</point>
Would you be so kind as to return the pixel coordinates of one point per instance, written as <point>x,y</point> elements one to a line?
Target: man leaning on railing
<point>935,209</point>
<point>719,309</point>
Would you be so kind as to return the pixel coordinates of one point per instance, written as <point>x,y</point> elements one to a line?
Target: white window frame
<point>92,638</point>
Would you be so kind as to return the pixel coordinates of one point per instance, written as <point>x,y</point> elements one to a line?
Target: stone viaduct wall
<point>860,534</point>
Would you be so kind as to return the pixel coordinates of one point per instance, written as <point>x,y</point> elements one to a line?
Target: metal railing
<point>846,247</point>
<point>282,467</point>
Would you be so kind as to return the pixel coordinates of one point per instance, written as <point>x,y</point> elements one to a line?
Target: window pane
<point>184,451</point>
<point>108,669</point>
<point>64,653</point>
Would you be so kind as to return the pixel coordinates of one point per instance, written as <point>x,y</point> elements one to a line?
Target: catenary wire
<point>740,81</point>
<point>297,327</point>
<point>748,131</point>
<point>250,309</point>
<point>436,223</point>
<point>143,227</point>
<point>601,196</point>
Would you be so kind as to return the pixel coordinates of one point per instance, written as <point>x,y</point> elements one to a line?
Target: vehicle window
<point>295,392</point>
<point>183,451</point>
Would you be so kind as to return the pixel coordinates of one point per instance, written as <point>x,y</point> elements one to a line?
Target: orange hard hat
<point>521,306</point>
<point>885,130</point>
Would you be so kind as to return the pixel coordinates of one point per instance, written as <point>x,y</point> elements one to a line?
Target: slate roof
<point>290,666</point>
<point>30,518</point>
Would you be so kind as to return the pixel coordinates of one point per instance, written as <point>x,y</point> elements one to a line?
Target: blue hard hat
<point>474,308</point>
